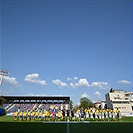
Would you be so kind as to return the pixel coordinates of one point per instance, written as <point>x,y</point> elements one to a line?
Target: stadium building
<point>100,104</point>
<point>120,99</point>
<point>13,103</point>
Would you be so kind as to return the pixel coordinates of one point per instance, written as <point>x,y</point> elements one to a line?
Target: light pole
<point>3,73</point>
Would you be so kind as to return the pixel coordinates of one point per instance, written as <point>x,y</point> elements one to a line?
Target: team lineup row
<point>66,115</point>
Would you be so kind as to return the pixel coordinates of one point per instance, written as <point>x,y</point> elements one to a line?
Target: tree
<point>71,104</point>
<point>85,103</point>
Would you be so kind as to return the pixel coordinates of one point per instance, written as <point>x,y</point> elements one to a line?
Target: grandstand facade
<point>14,103</point>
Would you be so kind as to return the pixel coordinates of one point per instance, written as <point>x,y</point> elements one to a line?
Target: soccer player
<point>96,115</point>
<point>68,115</point>
<point>63,114</point>
<point>47,115</point>
<point>113,115</point>
<point>21,116</point>
<point>2,110</point>
<point>33,115</point>
<point>89,113</point>
<point>72,115</point>
<point>36,115</point>
<point>43,114</point>
<point>103,115</point>
<point>24,116</point>
<point>91,116</point>
<point>29,115</point>
<point>16,116</point>
<point>78,114</point>
<point>100,115</point>
<point>120,116</point>
<point>118,113</point>
<point>82,114</point>
<point>54,113</point>
<point>110,114</point>
<point>106,115</point>
<point>59,115</point>
<point>40,115</point>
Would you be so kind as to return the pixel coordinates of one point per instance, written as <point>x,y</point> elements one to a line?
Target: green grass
<point>11,119</point>
<point>127,119</point>
<point>8,125</point>
<point>6,119</point>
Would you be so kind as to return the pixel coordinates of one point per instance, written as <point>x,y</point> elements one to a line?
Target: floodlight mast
<point>3,73</point>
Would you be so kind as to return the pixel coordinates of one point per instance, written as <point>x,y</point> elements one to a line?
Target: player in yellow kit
<point>21,116</point>
<point>47,115</point>
<point>40,115</point>
<point>59,115</point>
<point>33,115</point>
<point>96,115</point>
<point>24,116</point>
<point>16,116</point>
<point>29,115</point>
<point>78,115</point>
<point>118,113</point>
<point>86,114</point>
<point>36,115</point>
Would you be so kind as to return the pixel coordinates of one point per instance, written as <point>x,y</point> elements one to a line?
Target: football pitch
<point>8,125</point>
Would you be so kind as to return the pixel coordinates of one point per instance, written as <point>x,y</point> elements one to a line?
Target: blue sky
<point>69,48</point>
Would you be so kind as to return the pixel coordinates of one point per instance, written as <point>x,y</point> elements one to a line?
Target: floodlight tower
<point>3,73</point>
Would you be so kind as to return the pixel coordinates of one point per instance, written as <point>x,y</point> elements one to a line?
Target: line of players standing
<point>98,115</point>
<point>66,115</point>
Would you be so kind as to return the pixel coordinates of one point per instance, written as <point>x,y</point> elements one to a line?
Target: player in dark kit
<point>63,114</point>
<point>2,110</point>
<point>72,115</point>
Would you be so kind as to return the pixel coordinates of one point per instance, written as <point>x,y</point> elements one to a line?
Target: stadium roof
<point>37,99</point>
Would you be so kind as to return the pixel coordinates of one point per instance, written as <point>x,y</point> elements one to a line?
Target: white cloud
<point>34,78</point>
<point>85,95</point>
<point>10,81</point>
<point>85,83</point>
<point>74,85</point>
<point>81,82</point>
<point>59,83</point>
<point>97,93</point>
<point>75,78</point>
<point>68,79</point>
<point>101,85</point>
<point>31,94</point>
<point>124,82</point>
<point>77,104</point>
<point>93,101</point>
<point>42,94</point>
